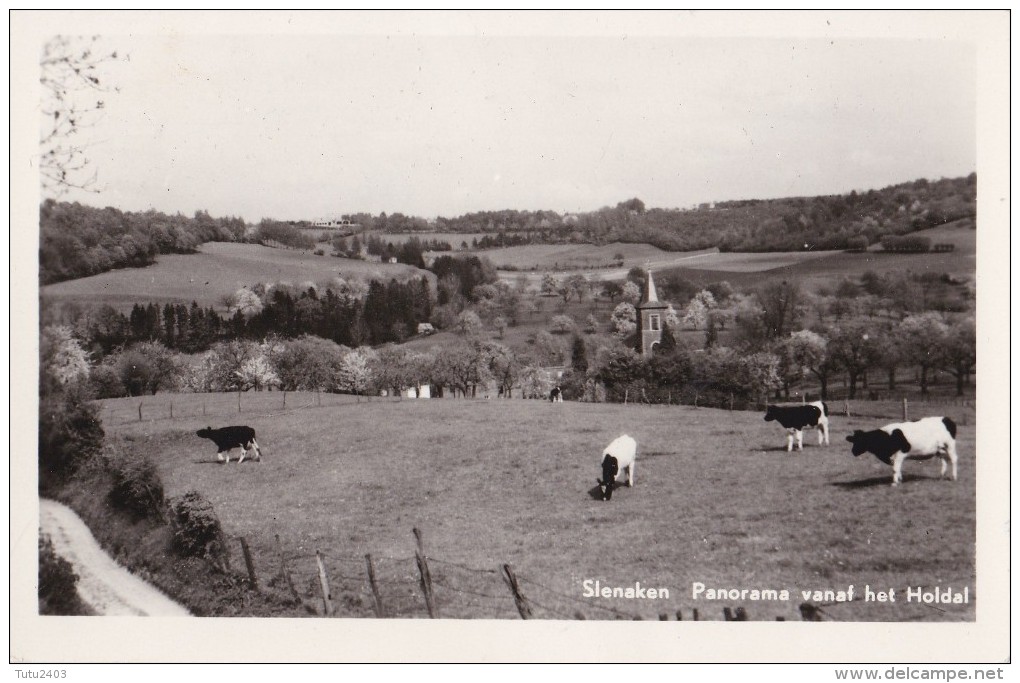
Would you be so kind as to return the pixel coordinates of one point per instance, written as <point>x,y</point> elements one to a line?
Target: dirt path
<point>104,585</point>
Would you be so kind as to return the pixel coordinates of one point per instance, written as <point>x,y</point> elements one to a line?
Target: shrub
<point>196,528</point>
<point>137,487</point>
<point>106,382</point>
<point>70,433</point>
<point>58,584</point>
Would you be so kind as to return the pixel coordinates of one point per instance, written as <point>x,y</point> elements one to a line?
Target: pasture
<point>218,269</point>
<point>717,500</point>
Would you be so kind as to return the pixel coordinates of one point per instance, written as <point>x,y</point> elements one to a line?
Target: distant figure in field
<point>556,395</point>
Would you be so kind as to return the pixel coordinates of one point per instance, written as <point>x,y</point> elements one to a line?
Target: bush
<point>137,487</point>
<point>196,528</point>
<point>58,584</point>
<point>70,433</point>
<point>105,382</point>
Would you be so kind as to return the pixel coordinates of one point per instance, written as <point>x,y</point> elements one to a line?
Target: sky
<point>317,124</point>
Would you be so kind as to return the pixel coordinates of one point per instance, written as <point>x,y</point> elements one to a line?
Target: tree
<point>612,290</point>
<point>548,349</point>
<point>780,305</point>
<point>469,324</point>
<point>62,358</point>
<point>579,355</point>
<point>550,285</point>
<point>667,342</point>
<point>634,204</point>
<point>561,324</point>
<point>73,84</point>
<point>924,339</point>
<point>624,319</point>
<point>578,284</point>
<point>808,351</point>
<point>355,372</point>
<point>631,293</point>
<point>855,348</point>
<point>256,373</point>
<point>961,351</point>
<point>502,365</point>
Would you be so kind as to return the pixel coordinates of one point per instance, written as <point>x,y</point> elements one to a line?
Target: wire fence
<point>266,404</point>
<point>424,586</point>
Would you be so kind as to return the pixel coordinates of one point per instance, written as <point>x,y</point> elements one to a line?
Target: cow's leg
<point>244,452</point>
<point>219,455</point>
<point>258,451</point>
<point>800,439</point>
<point>630,475</point>
<point>951,453</point>
<point>789,441</point>
<point>897,468</point>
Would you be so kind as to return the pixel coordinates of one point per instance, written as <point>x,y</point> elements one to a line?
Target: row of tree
<point>346,313</point>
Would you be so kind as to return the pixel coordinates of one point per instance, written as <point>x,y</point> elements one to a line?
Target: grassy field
<point>554,257</point>
<point>219,268</point>
<point>717,500</point>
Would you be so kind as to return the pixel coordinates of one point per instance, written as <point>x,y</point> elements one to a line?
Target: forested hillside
<point>77,240</point>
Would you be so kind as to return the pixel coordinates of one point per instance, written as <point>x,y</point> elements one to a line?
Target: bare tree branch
<point>71,73</point>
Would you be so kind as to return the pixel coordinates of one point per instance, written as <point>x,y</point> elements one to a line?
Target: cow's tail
<point>950,426</point>
<point>825,408</point>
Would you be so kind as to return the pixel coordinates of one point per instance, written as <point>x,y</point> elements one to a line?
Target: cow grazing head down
<point>881,443</point>
<point>618,456</point>
<point>610,468</point>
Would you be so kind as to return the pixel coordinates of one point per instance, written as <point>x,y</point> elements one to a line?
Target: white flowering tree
<point>355,373</point>
<point>624,319</point>
<point>61,354</point>
<point>257,373</point>
<point>698,309</point>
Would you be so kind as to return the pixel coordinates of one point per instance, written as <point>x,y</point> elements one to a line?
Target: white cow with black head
<point>618,456</point>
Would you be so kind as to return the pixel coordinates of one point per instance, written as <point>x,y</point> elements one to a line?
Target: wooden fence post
<point>250,565</point>
<point>203,408</point>
<point>423,571</point>
<point>625,392</point>
<point>284,570</point>
<point>379,612</point>
<point>239,400</point>
<point>523,608</point>
<point>285,400</point>
<point>171,410</point>
<point>140,411</point>
<point>327,599</point>
<point>904,409</point>
<point>846,407</point>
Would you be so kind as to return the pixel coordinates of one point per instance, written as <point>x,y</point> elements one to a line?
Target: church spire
<point>650,296</point>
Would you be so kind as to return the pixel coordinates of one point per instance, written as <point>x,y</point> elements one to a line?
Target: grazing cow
<point>798,418</point>
<point>918,440</point>
<point>227,438</point>
<point>618,456</point>
<point>556,395</point>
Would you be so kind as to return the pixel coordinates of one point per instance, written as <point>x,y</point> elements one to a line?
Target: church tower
<point>650,315</point>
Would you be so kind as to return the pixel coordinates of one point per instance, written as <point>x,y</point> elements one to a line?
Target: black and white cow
<point>618,456</point>
<point>918,440</point>
<point>228,438</point>
<point>795,419</point>
<point>556,395</point>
